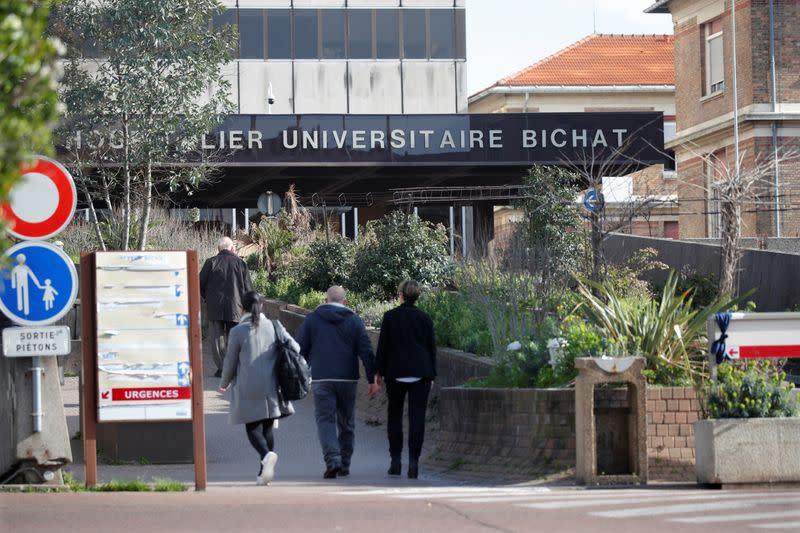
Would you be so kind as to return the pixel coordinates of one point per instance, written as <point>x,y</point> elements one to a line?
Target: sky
<point>504,36</point>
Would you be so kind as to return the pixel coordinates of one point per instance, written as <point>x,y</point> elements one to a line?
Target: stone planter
<point>747,450</point>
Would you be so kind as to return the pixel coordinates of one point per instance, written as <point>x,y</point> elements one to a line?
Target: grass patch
<point>168,485</point>
<point>160,485</point>
<point>135,485</point>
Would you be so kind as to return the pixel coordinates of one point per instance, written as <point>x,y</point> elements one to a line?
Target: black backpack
<point>291,370</point>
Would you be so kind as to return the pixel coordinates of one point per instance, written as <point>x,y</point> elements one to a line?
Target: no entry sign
<point>42,202</point>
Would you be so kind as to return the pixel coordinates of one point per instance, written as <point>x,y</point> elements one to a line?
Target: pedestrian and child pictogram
<point>40,283</point>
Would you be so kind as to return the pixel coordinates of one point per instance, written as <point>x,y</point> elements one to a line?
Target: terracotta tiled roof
<point>601,59</point>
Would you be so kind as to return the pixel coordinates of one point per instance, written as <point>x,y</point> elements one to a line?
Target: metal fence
<point>774,275</point>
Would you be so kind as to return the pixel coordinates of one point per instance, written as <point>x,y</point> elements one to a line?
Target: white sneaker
<point>260,481</point>
<point>268,467</point>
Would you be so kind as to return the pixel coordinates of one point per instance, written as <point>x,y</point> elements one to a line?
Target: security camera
<point>270,94</point>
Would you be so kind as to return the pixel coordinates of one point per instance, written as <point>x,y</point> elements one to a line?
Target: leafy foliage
<point>755,390</point>
<point>457,322</point>
<point>272,240</point>
<point>28,97</point>
<point>311,299</point>
<point>328,262</point>
<point>669,333</point>
<point>550,228</point>
<point>145,101</point>
<point>398,247</point>
<point>627,279</point>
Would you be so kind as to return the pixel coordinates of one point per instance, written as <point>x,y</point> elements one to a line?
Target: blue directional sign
<point>39,283</point>
<point>590,200</point>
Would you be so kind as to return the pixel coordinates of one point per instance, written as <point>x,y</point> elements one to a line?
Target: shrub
<point>271,241</point>
<point>328,262</point>
<point>286,288</point>
<point>399,247</point>
<point>669,333</point>
<point>311,299</point>
<point>754,390</point>
<point>457,323</point>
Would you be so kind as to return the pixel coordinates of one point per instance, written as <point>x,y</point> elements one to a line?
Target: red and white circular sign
<point>42,202</point>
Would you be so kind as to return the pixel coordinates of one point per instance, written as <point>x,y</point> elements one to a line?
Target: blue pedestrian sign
<point>40,283</point>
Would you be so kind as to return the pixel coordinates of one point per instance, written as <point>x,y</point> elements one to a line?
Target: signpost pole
<point>196,355</point>
<point>88,341</point>
<point>37,371</point>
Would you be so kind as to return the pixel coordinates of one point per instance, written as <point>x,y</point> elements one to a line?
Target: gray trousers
<point>219,330</point>
<point>334,411</point>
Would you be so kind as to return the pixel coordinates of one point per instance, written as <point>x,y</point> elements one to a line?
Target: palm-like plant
<point>272,241</point>
<point>669,333</point>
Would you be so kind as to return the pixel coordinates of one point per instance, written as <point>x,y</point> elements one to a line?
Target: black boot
<point>395,467</point>
<point>413,468</point>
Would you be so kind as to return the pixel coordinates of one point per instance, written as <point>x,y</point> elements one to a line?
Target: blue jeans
<point>334,409</point>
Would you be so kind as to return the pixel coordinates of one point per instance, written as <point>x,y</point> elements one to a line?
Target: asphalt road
<point>331,507</point>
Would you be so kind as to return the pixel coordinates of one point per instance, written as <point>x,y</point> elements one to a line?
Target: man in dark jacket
<point>224,278</point>
<point>333,338</point>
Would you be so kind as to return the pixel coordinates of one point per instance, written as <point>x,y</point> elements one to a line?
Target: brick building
<point>767,81</point>
<point>601,73</point>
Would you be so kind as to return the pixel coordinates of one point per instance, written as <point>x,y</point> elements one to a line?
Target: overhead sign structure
<point>143,351</point>
<point>32,342</point>
<point>40,284</point>
<point>43,202</point>
<point>759,335</point>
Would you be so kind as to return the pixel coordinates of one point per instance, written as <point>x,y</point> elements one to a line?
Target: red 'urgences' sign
<point>151,393</point>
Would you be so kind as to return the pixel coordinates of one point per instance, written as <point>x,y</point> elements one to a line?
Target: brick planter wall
<point>671,413</point>
<point>524,432</point>
<point>531,432</point>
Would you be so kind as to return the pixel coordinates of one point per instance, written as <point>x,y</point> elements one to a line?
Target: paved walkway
<point>230,458</point>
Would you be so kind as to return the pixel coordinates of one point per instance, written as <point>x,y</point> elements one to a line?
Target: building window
<point>332,34</point>
<point>279,34</point>
<point>461,34</point>
<point>305,34</point>
<point>251,34</point>
<point>222,22</point>
<point>360,33</point>
<point>415,45</point>
<point>714,57</point>
<point>442,35</point>
<point>387,33</point>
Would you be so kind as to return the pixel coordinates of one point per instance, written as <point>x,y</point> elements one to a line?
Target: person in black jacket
<point>406,362</point>
<point>332,339</point>
<point>224,279</point>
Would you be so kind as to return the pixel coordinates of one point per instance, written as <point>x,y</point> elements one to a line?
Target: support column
<point>483,226</point>
<point>464,231</point>
<point>355,224</point>
<point>341,225</point>
<point>246,220</point>
<point>452,230</point>
<point>233,223</point>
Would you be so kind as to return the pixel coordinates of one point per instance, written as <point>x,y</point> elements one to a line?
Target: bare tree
<point>605,219</point>
<point>737,188</point>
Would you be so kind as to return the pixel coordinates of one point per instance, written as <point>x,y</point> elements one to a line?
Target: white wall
<point>319,87</point>
<point>375,87</point>
<point>429,87</point>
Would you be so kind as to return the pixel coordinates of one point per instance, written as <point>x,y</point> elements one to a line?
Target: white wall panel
<point>320,87</point>
<point>373,3</point>
<point>375,87</point>
<point>318,3</point>
<point>429,87</point>
<point>264,3</point>
<point>427,3</point>
<point>255,78</point>
<point>462,96</point>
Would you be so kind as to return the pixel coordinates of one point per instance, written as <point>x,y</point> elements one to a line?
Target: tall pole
<point>735,90</point>
<point>452,232</point>
<point>777,184</point>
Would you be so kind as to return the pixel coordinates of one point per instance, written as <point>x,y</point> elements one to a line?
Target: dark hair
<point>253,303</point>
<point>410,290</point>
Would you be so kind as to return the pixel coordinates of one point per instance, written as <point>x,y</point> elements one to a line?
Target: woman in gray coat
<point>249,369</point>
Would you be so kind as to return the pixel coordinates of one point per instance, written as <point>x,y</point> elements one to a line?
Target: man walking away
<point>224,278</point>
<point>333,338</point>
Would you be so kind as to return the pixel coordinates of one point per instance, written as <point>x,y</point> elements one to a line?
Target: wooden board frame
<point>88,300</point>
